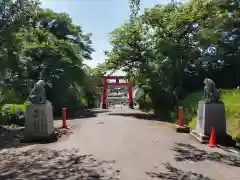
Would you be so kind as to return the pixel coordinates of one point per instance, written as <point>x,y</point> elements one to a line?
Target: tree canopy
<point>169,49</point>
<point>41,44</point>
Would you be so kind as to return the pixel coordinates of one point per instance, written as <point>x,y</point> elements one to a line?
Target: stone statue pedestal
<point>210,115</point>
<point>39,122</point>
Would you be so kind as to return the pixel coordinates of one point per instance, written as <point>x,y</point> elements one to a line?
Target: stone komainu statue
<point>211,93</point>
<point>38,93</point>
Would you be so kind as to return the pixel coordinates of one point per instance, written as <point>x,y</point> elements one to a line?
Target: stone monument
<point>39,116</point>
<point>210,113</point>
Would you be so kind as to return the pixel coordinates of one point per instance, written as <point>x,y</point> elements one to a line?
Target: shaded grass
<point>231,99</point>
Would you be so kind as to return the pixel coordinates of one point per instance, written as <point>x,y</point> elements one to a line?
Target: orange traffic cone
<point>212,141</point>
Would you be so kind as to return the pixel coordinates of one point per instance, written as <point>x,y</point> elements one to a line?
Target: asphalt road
<point>120,144</point>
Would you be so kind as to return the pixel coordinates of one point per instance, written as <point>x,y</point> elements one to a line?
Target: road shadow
<point>82,114</point>
<point>187,152</point>
<point>12,138</point>
<point>177,174</point>
<point>49,164</point>
<point>141,116</point>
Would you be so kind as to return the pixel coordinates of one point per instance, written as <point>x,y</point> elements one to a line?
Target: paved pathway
<point>120,144</point>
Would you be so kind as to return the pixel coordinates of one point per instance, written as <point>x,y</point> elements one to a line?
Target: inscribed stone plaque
<point>39,120</point>
<point>211,115</point>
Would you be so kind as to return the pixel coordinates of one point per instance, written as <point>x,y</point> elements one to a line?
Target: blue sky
<point>98,17</point>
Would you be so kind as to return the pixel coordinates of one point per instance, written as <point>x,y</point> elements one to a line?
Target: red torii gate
<point>117,83</point>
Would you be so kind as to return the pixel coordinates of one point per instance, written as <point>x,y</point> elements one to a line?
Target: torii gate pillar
<point>117,83</point>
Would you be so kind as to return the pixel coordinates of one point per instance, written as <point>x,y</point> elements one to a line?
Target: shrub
<point>15,113</point>
<point>3,118</point>
<point>84,101</point>
<point>143,100</point>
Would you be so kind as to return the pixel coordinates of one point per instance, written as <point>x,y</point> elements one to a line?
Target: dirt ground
<point>120,144</point>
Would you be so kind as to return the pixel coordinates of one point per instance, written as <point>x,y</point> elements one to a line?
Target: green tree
<point>37,43</point>
<point>170,49</point>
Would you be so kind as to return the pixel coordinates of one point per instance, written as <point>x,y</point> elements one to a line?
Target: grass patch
<point>231,99</point>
